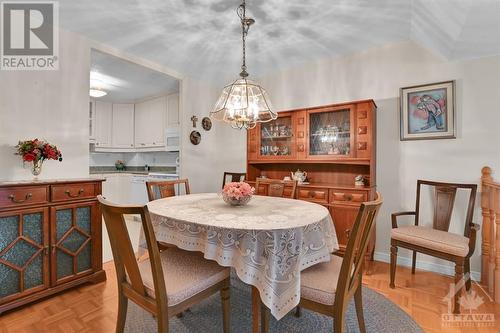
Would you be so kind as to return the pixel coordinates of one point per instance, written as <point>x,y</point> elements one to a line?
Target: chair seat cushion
<point>432,239</point>
<point>319,282</point>
<point>186,274</point>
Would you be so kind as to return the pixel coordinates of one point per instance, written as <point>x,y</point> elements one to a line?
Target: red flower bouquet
<point>37,151</point>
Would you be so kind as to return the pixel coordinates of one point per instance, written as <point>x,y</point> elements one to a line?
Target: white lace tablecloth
<point>268,242</point>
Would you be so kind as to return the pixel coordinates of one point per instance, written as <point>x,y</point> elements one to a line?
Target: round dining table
<point>268,242</point>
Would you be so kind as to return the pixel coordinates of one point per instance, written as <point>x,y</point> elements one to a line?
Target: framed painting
<point>428,111</point>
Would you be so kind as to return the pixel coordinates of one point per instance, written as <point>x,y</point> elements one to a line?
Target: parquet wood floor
<point>92,308</point>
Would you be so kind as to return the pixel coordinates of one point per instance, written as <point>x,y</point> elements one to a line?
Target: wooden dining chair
<point>165,189</point>
<point>436,241</point>
<point>327,288</point>
<point>166,283</point>
<point>276,188</point>
<point>233,177</point>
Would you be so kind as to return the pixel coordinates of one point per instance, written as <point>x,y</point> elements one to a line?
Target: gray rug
<point>381,315</point>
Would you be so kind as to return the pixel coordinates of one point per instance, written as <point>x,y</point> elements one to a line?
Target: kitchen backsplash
<point>134,159</point>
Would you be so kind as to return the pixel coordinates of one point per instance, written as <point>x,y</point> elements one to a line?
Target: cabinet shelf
<point>338,160</point>
<point>276,137</point>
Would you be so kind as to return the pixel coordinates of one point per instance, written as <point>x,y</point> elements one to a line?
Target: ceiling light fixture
<point>96,92</point>
<point>243,103</point>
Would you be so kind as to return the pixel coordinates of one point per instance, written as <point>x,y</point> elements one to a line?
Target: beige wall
<point>221,149</point>
<point>378,74</point>
<point>49,105</point>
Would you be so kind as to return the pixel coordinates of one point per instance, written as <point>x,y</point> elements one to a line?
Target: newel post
<point>497,246</point>
<point>485,229</point>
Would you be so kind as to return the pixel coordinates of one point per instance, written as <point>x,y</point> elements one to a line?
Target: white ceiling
<point>201,38</point>
<point>126,82</point>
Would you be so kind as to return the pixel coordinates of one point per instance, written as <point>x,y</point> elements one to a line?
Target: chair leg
<point>394,257</point>
<point>414,262</point>
<point>338,322</point>
<point>226,308</point>
<point>298,312</point>
<point>122,312</point>
<point>264,319</point>
<point>468,282</point>
<point>162,322</point>
<point>358,301</point>
<point>459,272</point>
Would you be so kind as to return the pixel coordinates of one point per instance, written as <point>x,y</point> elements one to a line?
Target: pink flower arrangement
<point>237,190</point>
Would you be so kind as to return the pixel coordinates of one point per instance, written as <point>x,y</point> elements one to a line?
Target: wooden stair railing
<point>490,255</point>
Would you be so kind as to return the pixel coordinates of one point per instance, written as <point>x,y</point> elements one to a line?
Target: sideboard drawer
<point>313,194</point>
<point>17,196</point>
<point>66,192</point>
<point>348,196</point>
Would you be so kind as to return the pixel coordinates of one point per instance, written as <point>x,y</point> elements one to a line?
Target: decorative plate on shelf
<point>195,137</point>
<point>206,123</point>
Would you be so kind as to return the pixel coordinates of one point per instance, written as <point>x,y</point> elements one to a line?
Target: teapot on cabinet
<point>299,176</point>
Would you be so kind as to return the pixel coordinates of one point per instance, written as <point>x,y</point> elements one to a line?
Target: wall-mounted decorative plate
<point>195,137</point>
<point>206,123</point>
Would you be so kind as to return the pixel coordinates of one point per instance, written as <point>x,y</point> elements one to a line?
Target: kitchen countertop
<point>131,170</point>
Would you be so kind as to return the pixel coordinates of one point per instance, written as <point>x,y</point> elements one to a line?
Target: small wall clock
<point>206,123</point>
<point>195,137</point>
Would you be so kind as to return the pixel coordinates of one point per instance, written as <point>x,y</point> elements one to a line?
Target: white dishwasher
<point>139,192</point>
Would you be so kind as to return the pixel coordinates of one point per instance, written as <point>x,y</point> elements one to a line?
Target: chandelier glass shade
<point>243,103</point>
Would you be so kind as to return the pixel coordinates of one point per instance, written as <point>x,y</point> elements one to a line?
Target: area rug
<point>381,315</point>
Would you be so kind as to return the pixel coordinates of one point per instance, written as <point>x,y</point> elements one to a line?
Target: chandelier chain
<point>245,25</point>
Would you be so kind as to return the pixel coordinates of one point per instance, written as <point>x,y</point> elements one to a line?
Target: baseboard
<point>423,265</point>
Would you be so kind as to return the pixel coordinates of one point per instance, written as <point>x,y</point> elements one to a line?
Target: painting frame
<point>434,100</point>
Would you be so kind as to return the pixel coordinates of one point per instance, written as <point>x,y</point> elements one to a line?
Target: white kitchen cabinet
<point>173,110</point>
<point>92,121</point>
<point>103,121</point>
<point>117,188</point>
<point>122,129</point>
<point>150,123</point>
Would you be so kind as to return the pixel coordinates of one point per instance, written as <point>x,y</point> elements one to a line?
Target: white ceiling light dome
<point>96,92</point>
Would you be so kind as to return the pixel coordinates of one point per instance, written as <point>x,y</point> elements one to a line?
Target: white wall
<point>220,148</point>
<point>49,105</point>
<point>378,74</point>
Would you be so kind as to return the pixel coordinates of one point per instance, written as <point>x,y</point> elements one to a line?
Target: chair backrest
<point>125,260</point>
<point>233,177</point>
<point>444,200</point>
<point>165,189</point>
<point>352,264</point>
<point>277,187</point>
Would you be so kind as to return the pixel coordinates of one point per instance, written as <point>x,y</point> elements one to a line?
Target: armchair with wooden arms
<point>437,241</point>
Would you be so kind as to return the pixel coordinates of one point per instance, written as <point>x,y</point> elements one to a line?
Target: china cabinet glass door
<point>330,134</point>
<point>276,138</point>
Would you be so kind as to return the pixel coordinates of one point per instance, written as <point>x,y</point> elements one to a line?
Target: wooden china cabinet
<point>50,238</point>
<point>333,144</point>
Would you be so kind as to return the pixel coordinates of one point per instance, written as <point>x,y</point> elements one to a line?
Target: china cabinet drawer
<point>73,192</point>
<point>348,196</point>
<point>313,194</point>
<point>11,197</point>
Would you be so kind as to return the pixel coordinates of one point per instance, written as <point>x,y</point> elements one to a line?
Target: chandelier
<point>243,103</point>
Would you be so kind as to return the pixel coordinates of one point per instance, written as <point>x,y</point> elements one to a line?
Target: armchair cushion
<point>432,239</point>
